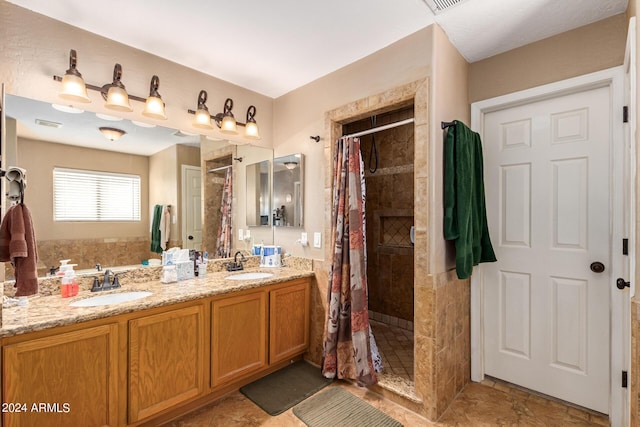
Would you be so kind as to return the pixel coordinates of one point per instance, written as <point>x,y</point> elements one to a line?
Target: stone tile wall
<point>89,252</point>
<point>389,212</point>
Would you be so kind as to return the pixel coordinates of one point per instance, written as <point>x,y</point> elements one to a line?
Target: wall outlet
<point>317,240</point>
<point>247,234</point>
<point>304,239</point>
<point>240,234</point>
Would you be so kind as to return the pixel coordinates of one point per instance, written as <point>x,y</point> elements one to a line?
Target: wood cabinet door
<point>238,337</point>
<point>166,360</point>
<point>67,379</point>
<point>289,321</point>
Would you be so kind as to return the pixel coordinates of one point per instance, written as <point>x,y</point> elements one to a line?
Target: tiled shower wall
<point>389,213</point>
<point>214,185</point>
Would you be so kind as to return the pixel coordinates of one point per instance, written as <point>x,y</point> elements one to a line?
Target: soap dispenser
<point>69,286</point>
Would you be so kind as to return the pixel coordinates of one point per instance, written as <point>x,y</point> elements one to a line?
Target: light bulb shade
<point>202,119</point>
<point>118,99</point>
<point>112,134</point>
<point>73,89</point>
<point>291,165</point>
<point>251,130</point>
<point>228,125</point>
<point>154,108</point>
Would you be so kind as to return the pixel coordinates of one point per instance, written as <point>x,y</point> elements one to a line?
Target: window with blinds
<point>80,195</point>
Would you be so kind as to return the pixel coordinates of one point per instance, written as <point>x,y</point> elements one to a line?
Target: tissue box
<point>185,270</point>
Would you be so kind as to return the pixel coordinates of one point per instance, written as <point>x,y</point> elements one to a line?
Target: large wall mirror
<point>41,137</point>
<point>258,193</point>
<point>288,185</point>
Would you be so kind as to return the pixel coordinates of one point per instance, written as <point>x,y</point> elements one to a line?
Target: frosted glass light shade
<point>228,125</point>
<point>154,108</point>
<point>112,134</point>
<point>118,99</point>
<point>73,89</point>
<point>251,131</point>
<point>202,119</point>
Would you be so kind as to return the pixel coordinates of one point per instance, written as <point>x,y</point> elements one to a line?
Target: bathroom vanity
<point>146,361</point>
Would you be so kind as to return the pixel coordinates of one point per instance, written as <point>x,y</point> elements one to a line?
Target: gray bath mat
<point>339,408</point>
<point>282,389</point>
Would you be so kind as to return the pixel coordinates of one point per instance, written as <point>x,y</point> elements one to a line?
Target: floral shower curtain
<point>347,336</point>
<point>223,241</point>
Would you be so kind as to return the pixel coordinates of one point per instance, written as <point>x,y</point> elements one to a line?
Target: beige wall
<point>39,158</point>
<point>584,50</point>
<point>301,113</point>
<point>449,101</point>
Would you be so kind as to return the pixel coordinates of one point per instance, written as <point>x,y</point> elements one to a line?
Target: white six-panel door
<point>546,313</point>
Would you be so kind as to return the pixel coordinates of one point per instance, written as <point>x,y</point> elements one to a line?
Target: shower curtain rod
<point>380,128</point>
<point>218,169</point>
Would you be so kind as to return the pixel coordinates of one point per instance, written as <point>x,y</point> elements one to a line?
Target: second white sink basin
<point>110,299</point>
<point>249,276</point>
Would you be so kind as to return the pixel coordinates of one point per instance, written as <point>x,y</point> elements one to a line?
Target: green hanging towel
<point>155,230</point>
<point>465,215</point>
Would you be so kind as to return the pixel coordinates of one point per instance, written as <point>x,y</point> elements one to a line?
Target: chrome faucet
<point>236,265</point>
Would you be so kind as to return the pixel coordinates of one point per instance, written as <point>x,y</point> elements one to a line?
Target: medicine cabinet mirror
<point>288,185</point>
<point>258,193</point>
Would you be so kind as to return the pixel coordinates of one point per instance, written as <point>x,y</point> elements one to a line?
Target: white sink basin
<point>249,276</point>
<point>110,299</point>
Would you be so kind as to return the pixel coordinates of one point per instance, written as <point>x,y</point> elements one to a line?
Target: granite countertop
<point>48,311</point>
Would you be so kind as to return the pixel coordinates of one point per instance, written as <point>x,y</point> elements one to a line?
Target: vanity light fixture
<point>228,123</point>
<point>225,121</point>
<point>154,107</point>
<point>117,96</point>
<point>203,118</point>
<point>112,134</point>
<point>251,128</point>
<point>74,88</point>
<point>291,165</point>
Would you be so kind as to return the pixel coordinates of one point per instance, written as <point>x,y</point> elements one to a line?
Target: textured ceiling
<point>276,46</point>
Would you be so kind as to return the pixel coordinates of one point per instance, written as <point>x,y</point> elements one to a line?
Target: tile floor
<point>396,348</point>
<point>490,403</point>
<point>487,404</point>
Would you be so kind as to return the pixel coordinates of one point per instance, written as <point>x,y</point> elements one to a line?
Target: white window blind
<point>80,195</point>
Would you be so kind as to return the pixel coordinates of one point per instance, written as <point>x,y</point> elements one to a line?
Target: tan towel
<point>18,245</point>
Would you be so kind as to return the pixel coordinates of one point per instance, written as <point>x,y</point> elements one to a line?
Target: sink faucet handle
<point>96,284</point>
<point>98,267</point>
<point>116,282</point>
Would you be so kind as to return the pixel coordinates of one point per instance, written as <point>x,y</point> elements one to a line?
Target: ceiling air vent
<point>439,6</point>
<point>47,123</point>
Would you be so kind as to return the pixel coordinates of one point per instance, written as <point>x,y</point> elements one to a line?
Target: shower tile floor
<point>396,349</point>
